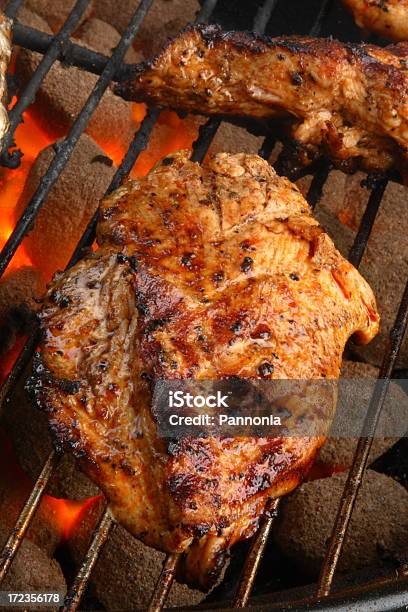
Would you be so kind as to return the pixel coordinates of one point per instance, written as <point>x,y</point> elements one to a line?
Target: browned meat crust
<point>202,272</point>
<point>387,18</point>
<point>347,101</point>
<point>5,53</point>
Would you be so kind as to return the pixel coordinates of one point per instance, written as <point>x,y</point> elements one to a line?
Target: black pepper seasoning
<point>265,369</point>
<point>296,78</point>
<point>247,264</point>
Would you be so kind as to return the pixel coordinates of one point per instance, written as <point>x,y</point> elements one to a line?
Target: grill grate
<point>60,47</point>
<point>66,147</point>
<point>12,160</point>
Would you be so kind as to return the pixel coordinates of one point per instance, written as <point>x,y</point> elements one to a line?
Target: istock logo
<point>179,399</point>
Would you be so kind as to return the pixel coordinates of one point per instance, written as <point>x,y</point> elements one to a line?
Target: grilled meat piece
<point>5,54</point>
<point>347,101</point>
<point>205,273</point>
<point>387,18</point>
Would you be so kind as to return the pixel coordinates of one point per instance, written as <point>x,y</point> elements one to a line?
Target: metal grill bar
<point>206,135</point>
<point>20,529</point>
<point>12,160</point>
<point>267,147</point>
<point>318,181</point>
<point>206,11</point>
<point>12,8</point>
<point>363,448</point>
<point>137,145</point>
<point>18,368</point>
<point>367,222</point>
<point>316,29</point>
<point>66,148</point>
<point>263,15</point>
<point>99,538</point>
<point>71,54</point>
<point>255,554</point>
<point>163,586</point>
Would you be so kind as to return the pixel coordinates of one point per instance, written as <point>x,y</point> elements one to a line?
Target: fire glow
<point>65,514</point>
<point>31,139</point>
<point>68,514</point>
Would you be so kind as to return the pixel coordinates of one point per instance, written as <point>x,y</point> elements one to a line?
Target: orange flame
<point>68,514</point>
<point>65,514</point>
<point>31,140</point>
<point>177,135</point>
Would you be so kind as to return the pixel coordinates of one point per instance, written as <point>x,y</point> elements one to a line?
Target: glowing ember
<point>31,140</point>
<point>176,134</point>
<point>68,513</point>
<point>65,514</point>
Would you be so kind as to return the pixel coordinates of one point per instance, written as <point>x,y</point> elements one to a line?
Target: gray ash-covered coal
<point>19,292</point>
<point>234,139</point>
<point>32,571</point>
<point>55,12</point>
<point>70,205</point>
<point>378,530</point>
<point>126,573</point>
<point>337,453</point>
<point>15,488</point>
<point>103,37</point>
<point>164,19</point>
<point>28,431</point>
<point>62,95</point>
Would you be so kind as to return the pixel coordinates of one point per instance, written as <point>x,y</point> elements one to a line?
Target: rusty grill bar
<point>59,47</point>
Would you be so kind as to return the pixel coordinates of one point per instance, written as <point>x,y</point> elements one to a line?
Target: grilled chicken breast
<point>347,101</point>
<point>202,272</point>
<point>387,18</point>
<point>5,54</point>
